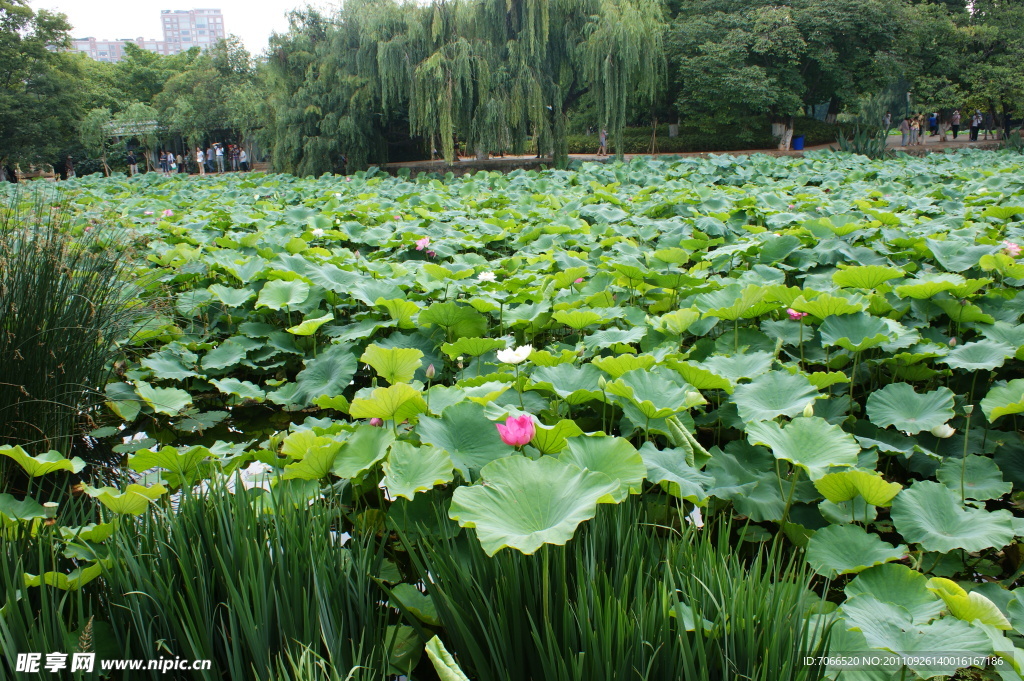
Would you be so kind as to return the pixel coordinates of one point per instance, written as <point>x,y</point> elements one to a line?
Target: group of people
<point>216,159</point>
<point>912,127</point>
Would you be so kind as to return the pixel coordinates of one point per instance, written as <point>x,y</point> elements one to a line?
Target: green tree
<point>95,131</point>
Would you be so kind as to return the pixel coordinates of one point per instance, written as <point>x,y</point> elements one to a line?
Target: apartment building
<point>182,30</point>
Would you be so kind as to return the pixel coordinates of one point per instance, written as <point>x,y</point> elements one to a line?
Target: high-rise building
<point>182,30</point>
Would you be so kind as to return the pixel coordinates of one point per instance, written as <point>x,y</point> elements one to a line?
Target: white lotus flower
<point>695,517</point>
<point>487,276</point>
<point>317,232</point>
<point>943,431</point>
<point>517,356</point>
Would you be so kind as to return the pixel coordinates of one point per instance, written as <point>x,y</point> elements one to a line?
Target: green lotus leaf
<point>401,310</point>
<point>168,401</point>
<point>394,403</point>
<point>979,356</point>
<point>699,377</point>
<point>552,439</point>
<point>1002,212</point>
<point>848,549</point>
<point>365,446</point>
<point>573,384</point>
<point>394,365</point>
<point>577,318</point>
<point>283,295</point>
<point>327,374</point>
<point>930,514</point>
<point>855,332</point>
<point>654,393</point>
<point>314,456</point>
<point>869,485</point>
<point>613,456</point>
<point>415,602</point>
<point>444,664</point>
<point>776,393</point>
<point>865,276</point>
<point>242,389</point>
<point>171,365</point>
<point>134,500</point>
<point>472,347</point>
<point>226,355</point>
<point>71,581</point>
<point>900,585</point>
<point>676,323</point>
<point>827,305</point>
<point>745,475</point>
<point>525,504</point>
<point>184,464</point>
<point>308,327</point>
<point>736,367</point>
<point>610,337</point>
<point>928,285</point>
<point>735,302</point>
<point>1004,398</point>
<point>616,366</point>
<point>899,405</point>
<point>484,393</point>
<point>810,443</point>
<point>458,321</point>
<point>979,477</point>
<point>441,273</point>
<point>232,297</point>
<point>404,648</point>
<point>963,314</point>
<point>957,254</point>
<point>968,606</point>
<point>669,467</point>
<point>42,464</point>
<point>20,509</point>
<point>410,469</point>
<point>466,434</point>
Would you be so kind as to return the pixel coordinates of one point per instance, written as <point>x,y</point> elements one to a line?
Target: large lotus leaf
<point>364,447</point>
<point>810,443</point>
<point>889,627</point>
<point>400,310</point>
<point>613,456</point>
<point>977,477</point>
<point>44,463</point>
<point>677,322</point>
<point>243,389</point>
<point>525,504</point>
<point>20,509</point>
<point>415,602</point>
<point>979,356</point>
<point>316,461</point>
<point>928,285</point>
<point>745,475</point>
<point>957,255</point>
<point>776,393</point>
<point>444,664</point>
<point>394,365</point>
<point>826,305</point>
<point>458,321</point>
<point>309,326</point>
<point>869,485</point>
<point>609,337</point>
<point>735,302</point>
<point>735,367</point>
<point>573,384</point>
<point>283,295</point>
<point>171,365</point>
<point>473,347</point>
<point>855,332</point>
<point>865,276</point>
<point>1004,398</point>
<point>411,469</point>
<point>898,584</point>
<point>899,405</point>
<point>327,374</point>
<point>669,466</point>
<point>134,500</point>
<point>618,365</point>
<point>183,463</point>
<point>466,434</point>
<point>967,606</point>
<point>71,581</point>
<point>655,393</point>
<point>577,319</point>
<point>394,403</point>
<point>931,515</point>
<point>168,401</point>
<point>1002,212</point>
<point>964,313</point>
<point>226,355</point>
<point>232,297</point>
<point>848,549</point>
<point>701,378</point>
<point>553,439</point>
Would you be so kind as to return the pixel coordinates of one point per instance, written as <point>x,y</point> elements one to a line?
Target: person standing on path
<point>905,131</point>
<point>602,142</point>
<point>243,160</point>
<point>989,125</point>
<point>976,121</point>
<point>201,160</point>
<point>886,123</point>
<point>69,168</point>
<point>219,150</point>
<point>133,164</point>
<point>209,159</point>
<point>955,122</point>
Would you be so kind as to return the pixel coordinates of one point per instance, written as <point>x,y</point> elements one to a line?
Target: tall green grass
<point>65,298</point>
<point>626,598</point>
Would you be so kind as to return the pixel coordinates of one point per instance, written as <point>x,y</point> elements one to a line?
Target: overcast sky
<point>251,20</point>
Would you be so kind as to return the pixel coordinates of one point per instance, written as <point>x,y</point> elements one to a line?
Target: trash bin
<point>798,143</point>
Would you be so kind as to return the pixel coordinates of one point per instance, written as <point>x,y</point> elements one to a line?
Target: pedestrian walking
<point>989,125</point>
<point>976,120</point>
<point>180,163</point>
<point>905,131</point>
<point>209,159</point>
<point>933,124</point>
<point>955,122</point>
<point>602,142</point>
<point>201,160</point>
<point>133,164</point>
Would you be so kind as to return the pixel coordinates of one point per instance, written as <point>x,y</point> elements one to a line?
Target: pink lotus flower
<point>579,281</point>
<point>794,315</point>
<point>1011,249</point>
<point>148,212</point>
<point>517,431</point>
<point>422,243</point>
<point>168,213</point>
<point>376,422</point>
<point>431,254</point>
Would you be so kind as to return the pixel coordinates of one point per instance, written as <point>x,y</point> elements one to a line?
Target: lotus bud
<point>376,422</point>
<point>952,342</point>
<point>430,372</point>
<point>601,382</point>
<point>943,431</point>
<point>809,409</point>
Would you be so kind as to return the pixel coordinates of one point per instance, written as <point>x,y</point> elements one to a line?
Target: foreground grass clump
<point>822,351</point>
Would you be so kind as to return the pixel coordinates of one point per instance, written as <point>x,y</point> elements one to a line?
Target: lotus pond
<point>750,410</point>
